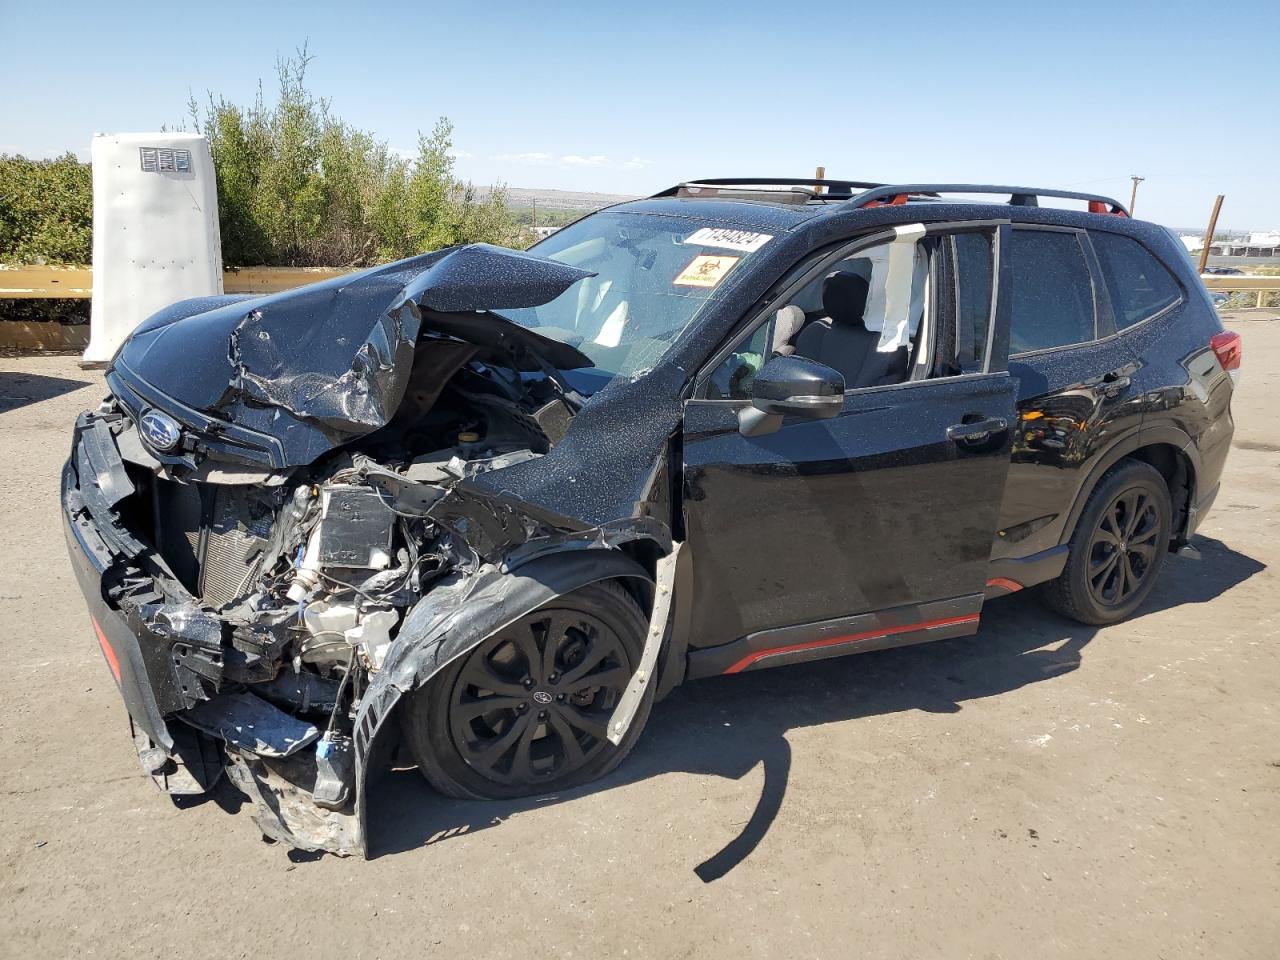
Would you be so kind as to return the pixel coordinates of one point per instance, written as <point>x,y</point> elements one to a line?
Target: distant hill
<point>562,199</point>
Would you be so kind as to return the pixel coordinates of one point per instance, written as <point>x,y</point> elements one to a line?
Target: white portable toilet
<point>155,231</point>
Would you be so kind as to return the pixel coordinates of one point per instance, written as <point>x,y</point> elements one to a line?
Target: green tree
<point>46,210</point>
<point>299,186</point>
<point>296,186</point>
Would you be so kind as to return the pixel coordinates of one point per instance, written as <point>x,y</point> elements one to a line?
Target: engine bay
<point>277,601</point>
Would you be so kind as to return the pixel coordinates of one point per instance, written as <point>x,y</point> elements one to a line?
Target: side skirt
<point>895,627</point>
<point>1011,574</point>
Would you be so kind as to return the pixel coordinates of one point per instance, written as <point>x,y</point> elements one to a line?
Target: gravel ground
<point>1041,788</point>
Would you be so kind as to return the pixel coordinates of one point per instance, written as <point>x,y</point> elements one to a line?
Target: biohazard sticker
<point>705,271</point>
<point>743,240</point>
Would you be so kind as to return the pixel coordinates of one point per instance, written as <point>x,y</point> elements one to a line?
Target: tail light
<point>1228,348</point>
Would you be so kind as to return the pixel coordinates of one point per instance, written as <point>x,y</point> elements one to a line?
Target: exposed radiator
<point>234,537</point>
<point>234,541</point>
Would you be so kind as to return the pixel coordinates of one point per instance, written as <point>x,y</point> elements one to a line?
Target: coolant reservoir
<point>325,618</point>
<point>373,636</point>
<point>327,623</point>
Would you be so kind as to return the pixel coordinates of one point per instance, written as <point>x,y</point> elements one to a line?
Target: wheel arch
<point>455,617</point>
<point>1166,448</point>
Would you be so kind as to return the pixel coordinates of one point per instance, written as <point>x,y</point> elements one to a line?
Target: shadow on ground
<point>728,725</point>
<point>20,389</point>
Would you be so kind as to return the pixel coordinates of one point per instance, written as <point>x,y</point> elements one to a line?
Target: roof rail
<point>834,189</point>
<point>898,193</point>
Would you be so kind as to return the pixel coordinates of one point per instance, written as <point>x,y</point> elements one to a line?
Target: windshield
<point>653,276</point>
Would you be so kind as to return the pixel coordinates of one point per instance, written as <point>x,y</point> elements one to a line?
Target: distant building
<point>1264,244</point>
<point>543,232</point>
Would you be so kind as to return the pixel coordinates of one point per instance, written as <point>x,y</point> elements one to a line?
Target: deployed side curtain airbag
<point>899,288</point>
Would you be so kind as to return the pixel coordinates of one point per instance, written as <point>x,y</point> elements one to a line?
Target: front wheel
<point>1117,549</point>
<point>526,711</point>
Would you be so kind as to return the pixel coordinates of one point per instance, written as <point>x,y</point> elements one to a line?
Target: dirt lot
<point>1042,789</point>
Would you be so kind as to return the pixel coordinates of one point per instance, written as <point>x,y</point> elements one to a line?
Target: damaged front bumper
<point>168,660</point>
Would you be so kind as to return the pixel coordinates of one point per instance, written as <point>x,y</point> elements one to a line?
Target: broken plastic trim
<point>633,695</point>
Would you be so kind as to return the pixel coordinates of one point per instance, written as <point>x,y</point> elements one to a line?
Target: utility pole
<point>819,174</point>
<point>535,214</point>
<point>1208,234</point>
<point>1133,197</point>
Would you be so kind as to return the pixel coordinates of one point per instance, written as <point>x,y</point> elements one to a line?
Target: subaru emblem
<point>160,430</point>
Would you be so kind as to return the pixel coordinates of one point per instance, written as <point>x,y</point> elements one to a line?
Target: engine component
<point>307,577</point>
<point>373,636</point>
<point>355,528</point>
<point>303,691</point>
<point>335,771</point>
<point>327,623</point>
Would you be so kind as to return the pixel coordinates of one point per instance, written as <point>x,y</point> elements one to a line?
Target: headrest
<point>844,298</point>
<point>786,325</point>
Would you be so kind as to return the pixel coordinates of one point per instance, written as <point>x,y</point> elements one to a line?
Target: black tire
<point>1117,548</point>
<point>544,728</point>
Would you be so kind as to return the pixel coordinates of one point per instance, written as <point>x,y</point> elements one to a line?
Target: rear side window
<point>1139,284</point>
<point>1052,291</point>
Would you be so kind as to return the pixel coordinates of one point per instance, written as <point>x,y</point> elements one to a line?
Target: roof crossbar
<point>896,193</point>
<point>834,189</point>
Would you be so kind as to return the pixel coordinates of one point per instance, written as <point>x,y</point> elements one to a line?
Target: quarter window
<point>1139,285</point>
<point>1052,291</point>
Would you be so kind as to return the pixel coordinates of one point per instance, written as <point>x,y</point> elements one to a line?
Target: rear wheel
<point>527,710</point>
<point>1117,549</point>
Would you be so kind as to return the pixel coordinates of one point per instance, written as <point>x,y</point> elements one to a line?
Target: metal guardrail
<point>43,283</point>
<point>1242,284</point>
<point>76,283</point>
<point>46,283</point>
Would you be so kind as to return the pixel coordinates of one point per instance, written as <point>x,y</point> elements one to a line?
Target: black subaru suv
<point>488,505</point>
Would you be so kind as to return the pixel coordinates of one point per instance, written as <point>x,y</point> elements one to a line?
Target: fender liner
<point>454,618</point>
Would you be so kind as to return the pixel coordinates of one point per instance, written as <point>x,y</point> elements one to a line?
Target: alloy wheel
<point>1123,547</point>
<point>532,703</point>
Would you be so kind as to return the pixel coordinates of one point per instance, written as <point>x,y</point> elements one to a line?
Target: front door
<point>869,529</point>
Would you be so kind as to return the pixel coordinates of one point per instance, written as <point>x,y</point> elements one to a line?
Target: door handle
<point>1114,382</point>
<point>976,432</point>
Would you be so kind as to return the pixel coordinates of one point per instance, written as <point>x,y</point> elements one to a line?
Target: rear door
<point>872,528</point>
<point>1079,395</point>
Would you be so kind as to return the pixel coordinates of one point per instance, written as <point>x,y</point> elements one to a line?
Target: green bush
<point>296,187</point>
<point>46,210</point>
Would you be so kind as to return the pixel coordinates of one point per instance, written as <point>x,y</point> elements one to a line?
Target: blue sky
<point>632,98</point>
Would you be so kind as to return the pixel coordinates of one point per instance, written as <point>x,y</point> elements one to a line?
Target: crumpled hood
<point>319,365</point>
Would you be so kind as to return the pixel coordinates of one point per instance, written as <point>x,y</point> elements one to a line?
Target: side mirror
<point>792,386</point>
